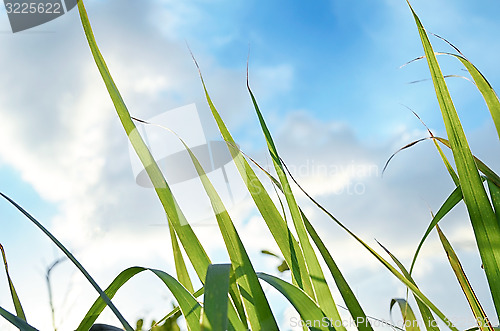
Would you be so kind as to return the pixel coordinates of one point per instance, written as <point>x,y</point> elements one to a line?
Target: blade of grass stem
<point>483,219</point>
<point>474,303</point>
<point>452,200</point>
<point>257,306</point>
<point>180,265</point>
<point>190,308</point>
<point>429,321</point>
<point>215,301</point>
<point>195,251</point>
<point>16,321</point>
<point>74,260</point>
<point>15,298</point>
<point>347,294</point>
<point>495,198</point>
<point>285,240</point>
<point>312,315</point>
<point>487,171</point>
<point>398,275</point>
<point>409,319</point>
<point>321,291</point>
<point>482,84</point>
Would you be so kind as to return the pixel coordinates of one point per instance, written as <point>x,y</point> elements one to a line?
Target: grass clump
<point>231,296</point>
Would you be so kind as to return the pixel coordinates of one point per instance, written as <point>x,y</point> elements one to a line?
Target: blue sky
<point>327,78</point>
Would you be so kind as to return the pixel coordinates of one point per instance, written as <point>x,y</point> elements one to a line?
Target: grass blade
<point>487,171</point>
<point>429,321</point>
<point>321,292</point>
<point>312,316</point>
<point>483,219</point>
<point>257,306</point>
<point>216,297</point>
<point>180,265</point>
<point>176,218</point>
<point>16,321</point>
<point>285,240</point>
<point>74,260</point>
<point>350,299</point>
<point>474,304</point>
<point>409,319</point>
<point>398,275</point>
<point>495,198</point>
<point>190,308</point>
<point>454,198</point>
<point>489,95</point>
<point>15,298</point>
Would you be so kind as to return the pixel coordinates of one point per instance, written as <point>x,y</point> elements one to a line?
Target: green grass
<point>233,297</point>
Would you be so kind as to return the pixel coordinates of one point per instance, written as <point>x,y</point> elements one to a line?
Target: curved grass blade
<point>350,299</point>
<point>487,171</point>
<point>176,311</point>
<point>257,306</point>
<point>190,308</point>
<point>483,219</point>
<point>285,240</point>
<point>180,265</point>
<point>409,319</point>
<point>487,91</point>
<point>16,321</point>
<point>429,321</point>
<point>15,298</point>
<point>475,305</point>
<point>197,255</point>
<point>321,291</point>
<point>75,262</point>
<point>484,87</point>
<point>312,316</point>
<point>454,198</point>
<point>398,275</point>
<point>195,251</point>
<point>215,301</point>
<point>495,198</point>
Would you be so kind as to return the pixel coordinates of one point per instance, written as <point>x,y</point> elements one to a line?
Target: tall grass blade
<point>285,240</point>
<point>347,294</point>
<point>190,308</point>
<point>495,198</point>
<point>15,298</point>
<point>483,219</point>
<point>429,321</point>
<point>409,320</point>
<point>257,306</point>
<point>180,265</point>
<point>487,171</point>
<point>16,321</point>
<point>475,305</point>
<point>74,260</point>
<point>489,95</point>
<point>321,293</point>
<point>311,314</point>
<point>197,255</point>
<point>397,274</point>
<point>452,200</point>
<point>350,299</point>
<point>215,301</point>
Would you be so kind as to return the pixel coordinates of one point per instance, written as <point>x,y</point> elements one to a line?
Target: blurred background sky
<point>328,80</point>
